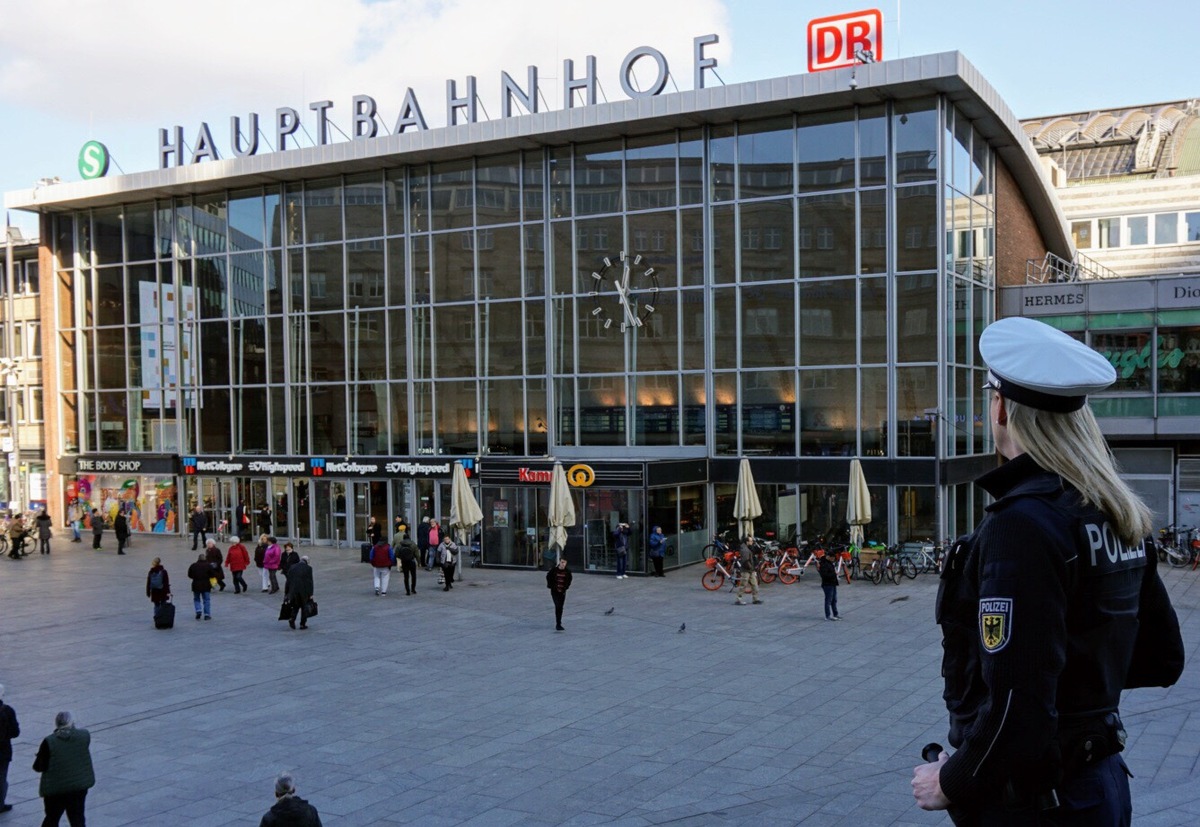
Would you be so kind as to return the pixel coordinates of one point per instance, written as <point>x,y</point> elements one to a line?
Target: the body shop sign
<point>834,42</point>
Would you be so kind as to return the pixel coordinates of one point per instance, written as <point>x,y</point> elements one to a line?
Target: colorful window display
<point>149,503</point>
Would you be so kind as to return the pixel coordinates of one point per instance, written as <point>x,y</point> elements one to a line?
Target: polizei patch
<point>995,623</point>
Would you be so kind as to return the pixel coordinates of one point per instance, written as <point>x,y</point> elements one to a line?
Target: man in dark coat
<point>406,555</point>
<point>65,761</point>
<point>121,529</point>
<point>199,523</point>
<point>558,580</point>
<point>198,573</point>
<point>423,544</point>
<point>289,810</point>
<point>299,591</point>
<point>9,729</point>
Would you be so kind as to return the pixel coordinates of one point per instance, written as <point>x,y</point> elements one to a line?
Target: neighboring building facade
<point>23,469</point>
<point>322,332</point>
<point>1129,183</point>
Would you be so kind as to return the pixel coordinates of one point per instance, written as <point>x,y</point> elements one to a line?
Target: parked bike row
<point>789,561</point>
<point>1179,546</point>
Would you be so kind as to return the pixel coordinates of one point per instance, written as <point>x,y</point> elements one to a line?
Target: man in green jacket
<point>65,762</point>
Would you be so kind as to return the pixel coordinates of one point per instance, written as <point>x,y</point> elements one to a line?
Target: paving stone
<point>466,708</point>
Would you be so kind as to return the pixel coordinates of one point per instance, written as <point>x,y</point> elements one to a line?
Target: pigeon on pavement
<point>610,611</point>
<point>682,627</point>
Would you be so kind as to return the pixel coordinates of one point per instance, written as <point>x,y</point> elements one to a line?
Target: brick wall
<point>1017,235</point>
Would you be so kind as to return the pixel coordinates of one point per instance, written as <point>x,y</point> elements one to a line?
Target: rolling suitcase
<point>164,615</point>
<point>365,548</point>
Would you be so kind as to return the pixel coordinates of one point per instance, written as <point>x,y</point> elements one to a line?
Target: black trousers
<point>69,803</point>
<point>239,583</point>
<point>1097,796</point>
<point>410,575</point>
<point>658,566</point>
<point>44,545</point>
<point>559,599</point>
<point>302,609</point>
<point>95,540</point>
<point>448,574</point>
<point>201,533</point>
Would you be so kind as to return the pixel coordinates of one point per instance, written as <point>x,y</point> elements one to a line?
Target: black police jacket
<point>1046,616</point>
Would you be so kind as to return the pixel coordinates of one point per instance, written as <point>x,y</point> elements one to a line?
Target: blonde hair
<point>1071,445</point>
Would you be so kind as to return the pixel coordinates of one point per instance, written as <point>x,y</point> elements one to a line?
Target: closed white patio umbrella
<point>858,503</point>
<point>746,506</point>
<point>562,509</point>
<point>465,513</point>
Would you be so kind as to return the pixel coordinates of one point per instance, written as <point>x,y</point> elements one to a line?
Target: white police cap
<point>1035,364</point>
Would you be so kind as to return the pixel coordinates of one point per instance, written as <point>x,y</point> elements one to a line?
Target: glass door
<point>329,512</point>
<point>226,502</point>
<point>302,510</point>
<point>257,501</point>
<point>279,507</point>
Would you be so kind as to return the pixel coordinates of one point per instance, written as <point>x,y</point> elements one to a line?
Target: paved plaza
<point>465,707</point>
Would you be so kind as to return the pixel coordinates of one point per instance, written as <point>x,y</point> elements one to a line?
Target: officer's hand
<point>927,785</point>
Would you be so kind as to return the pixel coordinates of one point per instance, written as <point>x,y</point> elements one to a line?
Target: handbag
<point>285,610</point>
<point>310,608</point>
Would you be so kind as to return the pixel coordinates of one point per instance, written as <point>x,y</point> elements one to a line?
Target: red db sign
<point>833,41</point>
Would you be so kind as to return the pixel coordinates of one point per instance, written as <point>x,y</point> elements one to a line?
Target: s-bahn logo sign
<point>93,160</point>
<point>462,101</point>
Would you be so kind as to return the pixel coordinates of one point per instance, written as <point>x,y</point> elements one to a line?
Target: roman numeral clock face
<point>624,291</point>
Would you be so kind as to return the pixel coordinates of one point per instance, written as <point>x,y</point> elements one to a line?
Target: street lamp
<point>10,369</point>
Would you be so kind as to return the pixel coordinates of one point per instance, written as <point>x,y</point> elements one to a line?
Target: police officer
<point>1050,608</point>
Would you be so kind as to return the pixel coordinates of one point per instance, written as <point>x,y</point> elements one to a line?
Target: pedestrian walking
<point>382,560</point>
<point>264,519</point>
<point>558,580</point>
<point>748,574</point>
<point>260,553</point>
<point>406,552</point>
<point>423,543</point>
<point>241,521</point>
<point>65,761</point>
<point>271,563</point>
<point>829,585</point>
<point>45,530</point>
<point>299,591</point>
<point>215,560</point>
<point>658,550</point>
<point>447,556</point>
<point>158,584</point>
<point>199,525</point>
<point>1051,607</point>
<point>288,558</point>
<point>97,528</point>
<point>121,531</point>
<point>200,575</point>
<point>237,560</point>
<point>9,729</point>
<point>374,531</point>
<point>289,809</point>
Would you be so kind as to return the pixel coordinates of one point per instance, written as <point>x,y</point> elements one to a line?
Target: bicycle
<point>920,561</point>
<point>717,546</point>
<point>717,573</point>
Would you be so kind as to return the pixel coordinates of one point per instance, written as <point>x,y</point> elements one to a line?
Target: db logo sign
<point>832,41</point>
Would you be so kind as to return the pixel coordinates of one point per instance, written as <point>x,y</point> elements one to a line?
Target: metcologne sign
<point>460,101</point>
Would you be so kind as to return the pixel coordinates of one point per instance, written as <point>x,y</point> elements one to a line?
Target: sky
<point>117,71</point>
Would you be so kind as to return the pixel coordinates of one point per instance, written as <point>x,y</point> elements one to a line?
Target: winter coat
<point>260,553</point>
<point>406,550</point>
<point>45,526</point>
<point>271,557</point>
<point>199,573</point>
<point>65,762</point>
<point>558,580</point>
<point>237,559</point>
<point>9,729</point>
<point>287,559</point>
<point>158,595</point>
<point>291,811</point>
<point>121,527</point>
<point>299,583</point>
<point>199,521</point>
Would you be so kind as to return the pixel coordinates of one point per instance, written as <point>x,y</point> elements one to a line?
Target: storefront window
<point>515,526</point>
<point>1131,353</point>
<point>1179,359</point>
<point>149,503</point>
<point>680,513</point>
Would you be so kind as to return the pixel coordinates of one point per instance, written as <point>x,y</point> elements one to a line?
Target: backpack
<point>156,580</point>
<point>381,556</point>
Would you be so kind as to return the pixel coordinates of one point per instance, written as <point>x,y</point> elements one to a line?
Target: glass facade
<point>819,283</point>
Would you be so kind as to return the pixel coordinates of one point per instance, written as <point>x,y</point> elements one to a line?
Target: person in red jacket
<point>237,560</point>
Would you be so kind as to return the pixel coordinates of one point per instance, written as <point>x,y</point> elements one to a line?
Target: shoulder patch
<point>995,623</point>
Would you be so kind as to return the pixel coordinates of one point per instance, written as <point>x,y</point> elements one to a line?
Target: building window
<point>1081,234</point>
<point>1191,221</point>
<point>1109,233</point>
<point>1166,228</point>
<point>1139,230</point>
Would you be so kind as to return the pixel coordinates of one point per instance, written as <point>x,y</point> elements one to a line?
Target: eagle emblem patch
<point>995,623</point>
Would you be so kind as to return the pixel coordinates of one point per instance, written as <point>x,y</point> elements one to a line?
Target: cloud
<point>134,61</point>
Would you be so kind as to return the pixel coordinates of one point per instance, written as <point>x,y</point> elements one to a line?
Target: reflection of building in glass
<point>823,268</point>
